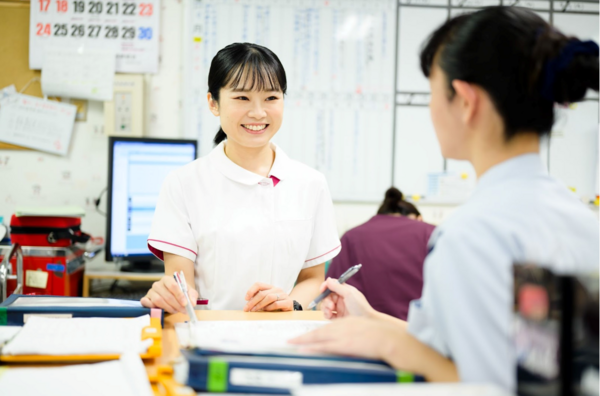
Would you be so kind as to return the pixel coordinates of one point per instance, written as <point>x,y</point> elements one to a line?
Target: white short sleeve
<point>325,243</point>
<point>171,231</point>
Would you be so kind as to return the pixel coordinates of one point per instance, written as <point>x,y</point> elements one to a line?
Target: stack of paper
<point>79,336</point>
<point>124,377</point>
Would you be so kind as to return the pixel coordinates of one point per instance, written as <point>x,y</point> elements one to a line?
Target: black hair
<point>394,203</point>
<point>258,66</point>
<point>507,51</point>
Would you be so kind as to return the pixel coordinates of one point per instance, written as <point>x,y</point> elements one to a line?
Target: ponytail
<point>393,197</point>
<point>219,137</point>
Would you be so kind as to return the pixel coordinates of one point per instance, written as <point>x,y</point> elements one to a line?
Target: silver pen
<point>188,306</point>
<point>343,278</point>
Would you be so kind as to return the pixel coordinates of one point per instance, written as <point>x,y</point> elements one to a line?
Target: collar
<point>238,174</point>
<point>522,166</point>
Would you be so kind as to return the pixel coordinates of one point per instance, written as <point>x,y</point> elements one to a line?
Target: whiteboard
<point>339,57</point>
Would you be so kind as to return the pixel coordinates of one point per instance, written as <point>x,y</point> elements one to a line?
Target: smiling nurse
<point>251,227</point>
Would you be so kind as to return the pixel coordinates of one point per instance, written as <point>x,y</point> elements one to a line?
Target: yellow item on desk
<point>20,350</point>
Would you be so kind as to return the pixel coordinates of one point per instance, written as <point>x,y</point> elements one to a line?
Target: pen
<point>180,279</point>
<point>343,278</point>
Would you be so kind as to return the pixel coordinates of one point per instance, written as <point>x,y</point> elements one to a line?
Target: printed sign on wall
<point>129,28</point>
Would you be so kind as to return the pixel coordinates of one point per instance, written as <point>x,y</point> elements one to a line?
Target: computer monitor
<point>137,168</point>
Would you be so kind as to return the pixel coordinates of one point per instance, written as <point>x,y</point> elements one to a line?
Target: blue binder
<point>278,375</point>
<point>12,313</point>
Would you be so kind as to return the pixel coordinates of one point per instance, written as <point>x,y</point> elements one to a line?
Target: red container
<point>46,231</point>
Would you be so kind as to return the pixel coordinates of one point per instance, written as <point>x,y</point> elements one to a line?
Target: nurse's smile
<point>255,129</point>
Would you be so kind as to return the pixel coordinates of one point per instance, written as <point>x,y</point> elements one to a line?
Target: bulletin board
<point>14,47</point>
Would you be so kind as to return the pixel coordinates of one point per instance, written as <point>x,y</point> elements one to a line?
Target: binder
<point>277,375</point>
<point>14,314</point>
<point>154,332</point>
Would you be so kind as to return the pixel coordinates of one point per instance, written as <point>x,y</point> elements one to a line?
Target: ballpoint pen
<point>343,278</point>
<point>180,279</point>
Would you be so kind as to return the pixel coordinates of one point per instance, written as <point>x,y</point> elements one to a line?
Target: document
<point>124,377</point>
<point>78,73</point>
<point>268,336</point>
<point>8,332</point>
<point>75,302</point>
<point>35,123</point>
<point>79,336</point>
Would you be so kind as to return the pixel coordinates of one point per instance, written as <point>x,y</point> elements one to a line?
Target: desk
<point>116,275</point>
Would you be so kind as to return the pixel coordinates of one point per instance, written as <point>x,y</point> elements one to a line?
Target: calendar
<point>129,28</point>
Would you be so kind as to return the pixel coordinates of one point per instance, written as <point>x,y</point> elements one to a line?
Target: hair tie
<point>554,66</point>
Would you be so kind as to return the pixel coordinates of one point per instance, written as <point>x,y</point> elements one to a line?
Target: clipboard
<point>154,332</point>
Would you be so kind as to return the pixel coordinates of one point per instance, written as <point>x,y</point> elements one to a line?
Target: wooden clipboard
<point>154,332</point>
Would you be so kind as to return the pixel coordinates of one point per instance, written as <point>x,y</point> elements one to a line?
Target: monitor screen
<point>137,168</point>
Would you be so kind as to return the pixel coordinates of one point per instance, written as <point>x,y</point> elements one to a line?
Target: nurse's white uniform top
<point>518,213</point>
<point>240,228</point>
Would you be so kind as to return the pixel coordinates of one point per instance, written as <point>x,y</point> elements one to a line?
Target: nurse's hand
<point>264,297</point>
<point>167,295</point>
<point>345,301</point>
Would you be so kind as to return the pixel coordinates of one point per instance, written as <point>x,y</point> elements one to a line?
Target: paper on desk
<point>82,73</point>
<point>35,123</point>
<point>124,377</point>
<point>8,332</point>
<point>79,336</point>
<point>52,301</point>
<point>260,336</point>
<point>420,389</point>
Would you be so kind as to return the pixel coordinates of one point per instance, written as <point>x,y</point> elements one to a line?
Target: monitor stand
<point>145,266</point>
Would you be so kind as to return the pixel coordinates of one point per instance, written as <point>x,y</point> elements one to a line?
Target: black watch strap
<point>297,306</point>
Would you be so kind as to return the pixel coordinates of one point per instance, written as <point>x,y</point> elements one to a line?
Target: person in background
<point>391,247</point>
<point>250,227</point>
<point>495,76</point>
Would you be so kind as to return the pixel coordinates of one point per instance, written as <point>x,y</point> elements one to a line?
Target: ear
<point>213,105</point>
<point>468,99</point>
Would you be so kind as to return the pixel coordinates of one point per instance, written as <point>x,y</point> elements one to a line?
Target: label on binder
<point>265,378</point>
<point>37,279</point>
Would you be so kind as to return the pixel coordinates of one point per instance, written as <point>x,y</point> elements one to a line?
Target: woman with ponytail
<point>495,77</point>
<point>250,228</point>
<point>392,247</point>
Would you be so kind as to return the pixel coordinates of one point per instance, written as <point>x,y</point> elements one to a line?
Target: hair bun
<point>393,194</point>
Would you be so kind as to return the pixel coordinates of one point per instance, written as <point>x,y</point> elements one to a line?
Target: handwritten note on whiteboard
<point>36,123</point>
<point>78,73</point>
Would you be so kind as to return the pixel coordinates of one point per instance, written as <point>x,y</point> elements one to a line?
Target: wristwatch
<point>297,306</point>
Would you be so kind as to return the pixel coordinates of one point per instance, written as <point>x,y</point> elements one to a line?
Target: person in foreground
<point>495,75</point>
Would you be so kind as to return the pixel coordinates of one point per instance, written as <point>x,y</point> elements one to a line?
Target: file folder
<point>16,308</point>
<point>277,375</point>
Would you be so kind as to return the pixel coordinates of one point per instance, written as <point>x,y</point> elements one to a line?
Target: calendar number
<point>128,33</point>
<point>128,8</point>
<point>146,9</point>
<point>43,29</point>
<point>94,30</point>
<point>60,29</point>
<point>77,30</point>
<point>95,7</point>
<point>79,6</point>
<point>112,8</point>
<point>145,33</point>
<point>111,31</point>
<point>44,5</point>
<point>62,6</point>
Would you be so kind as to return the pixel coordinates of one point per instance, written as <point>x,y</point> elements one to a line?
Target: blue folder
<point>278,375</point>
<point>12,313</point>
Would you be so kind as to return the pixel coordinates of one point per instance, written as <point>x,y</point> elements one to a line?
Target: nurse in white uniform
<point>250,228</point>
<point>495,76</point>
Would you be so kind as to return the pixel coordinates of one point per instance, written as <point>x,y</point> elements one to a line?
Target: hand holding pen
<point>180,279</point>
